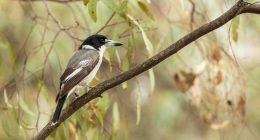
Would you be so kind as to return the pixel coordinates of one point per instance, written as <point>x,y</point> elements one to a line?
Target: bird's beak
<point>113,43</point>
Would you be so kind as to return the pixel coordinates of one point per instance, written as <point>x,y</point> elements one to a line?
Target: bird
<point>81,69</point>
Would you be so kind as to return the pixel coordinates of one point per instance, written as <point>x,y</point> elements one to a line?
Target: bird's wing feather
<point>79,66</point>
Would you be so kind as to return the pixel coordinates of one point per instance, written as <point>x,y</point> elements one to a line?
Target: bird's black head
<point>96,41</point>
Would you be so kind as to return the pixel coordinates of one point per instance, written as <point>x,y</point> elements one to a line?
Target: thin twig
<point>110,18</point>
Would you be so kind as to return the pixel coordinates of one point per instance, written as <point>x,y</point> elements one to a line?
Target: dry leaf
<point>184,80</point>
<point>241,106</point>
<point>196,93</point>
<point>218,78</point>
<point>180,84</point>
<point>217,126</point>
<point>72,131</point>
<point>208,117</point>
<point>189,78</point>
<point>216,56</point>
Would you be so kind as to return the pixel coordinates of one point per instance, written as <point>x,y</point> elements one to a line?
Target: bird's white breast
<point>92,74</point>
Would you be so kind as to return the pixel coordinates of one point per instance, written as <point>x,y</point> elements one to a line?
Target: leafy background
<point>208,90</point>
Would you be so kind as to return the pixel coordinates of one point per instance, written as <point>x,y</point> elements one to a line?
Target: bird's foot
<point>100,96</point>
<point>74,97</point>
<point>54,123</point>
<point>88,88</point>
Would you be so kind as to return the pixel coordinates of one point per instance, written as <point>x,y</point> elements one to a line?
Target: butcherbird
<point>81,69</point>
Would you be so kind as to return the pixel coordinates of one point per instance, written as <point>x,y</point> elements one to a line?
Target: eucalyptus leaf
<point>85,2</point>
<point>125,67</point>
<point>116,121</point>
<point>6,100</point>
<point>182,5</point>
<point>234,28</point>
<point>121,9</point>
<point>145,9</point>
<point>152,80</point>
<point>147,42</point>
<point>124,85</point>
<point>25,107</point>
<point>6,128</point>
<point>148,1</point>
<point>138,106</point>
<point>92,9</point>
<point>130,48</point>
<point>125,64</point>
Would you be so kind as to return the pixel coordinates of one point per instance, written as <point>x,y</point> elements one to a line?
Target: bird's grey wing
<point>79,59</point>
<point>66,73</point>
<point>78,68</point>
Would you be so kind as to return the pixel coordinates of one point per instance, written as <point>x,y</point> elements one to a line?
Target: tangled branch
<point>239,8</point>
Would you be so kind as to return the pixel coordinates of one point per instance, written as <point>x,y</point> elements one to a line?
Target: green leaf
<point>130,48</point>
<point>103,105</point>
<point>61,133</point>
<point>251,1</point>
<point>6,100</point>
<point>95,136</point>
<point>85,2</point>
<point>182,5</point>
<point>126,130</point>
<point>4,45</point>
<point>125,67</point>
<point>26,126</point>
<point>124,85</point>
<point>138,106</point>
<point>116,121</point>
<point>92,9</point>
<point>121,9</point>
<point>90,134</point>
<point>147,42</point>
<point>110,4</point>
<point>152,80</point>
<point>148,1</point>
<point>125,64</point>
<point>145,9</point>
<point>234,29</point>
<point>6,128</point>
<point>108,56</point>
<point>24,106</point>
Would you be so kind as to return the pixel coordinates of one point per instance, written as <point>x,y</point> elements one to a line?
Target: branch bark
<point>239,8</point>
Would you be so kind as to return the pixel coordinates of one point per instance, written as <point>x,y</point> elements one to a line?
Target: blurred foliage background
<point>209,90</point>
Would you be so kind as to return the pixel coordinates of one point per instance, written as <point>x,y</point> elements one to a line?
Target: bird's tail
<point>58,109</point>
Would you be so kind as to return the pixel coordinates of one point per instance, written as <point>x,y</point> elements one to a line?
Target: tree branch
<point>239,8</point>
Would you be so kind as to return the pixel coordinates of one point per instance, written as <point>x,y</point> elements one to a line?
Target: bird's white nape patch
<point>73,73</point>
<point>102,50</point>
<point>88,47</point>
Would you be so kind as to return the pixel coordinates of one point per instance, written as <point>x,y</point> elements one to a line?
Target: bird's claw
<point>75,97</point>
<point>53,123</point>
<point>89,88</point>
